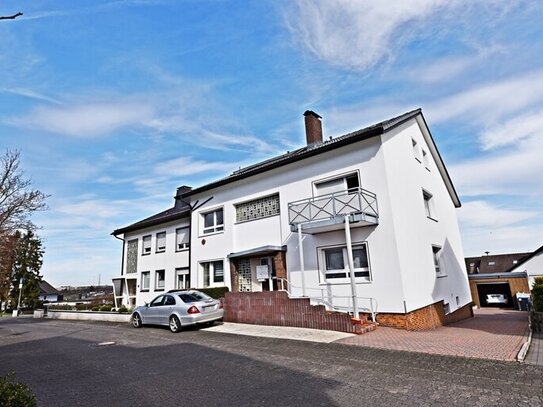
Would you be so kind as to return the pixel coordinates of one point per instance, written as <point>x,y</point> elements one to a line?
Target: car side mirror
<point>146,304</point>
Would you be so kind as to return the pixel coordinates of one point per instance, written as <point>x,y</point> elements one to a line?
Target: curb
<point>524,349</point>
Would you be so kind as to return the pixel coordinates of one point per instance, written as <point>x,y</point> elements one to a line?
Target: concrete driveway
<point>491,334</point>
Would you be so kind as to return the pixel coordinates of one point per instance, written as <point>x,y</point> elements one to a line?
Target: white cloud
<point>489,103</point>
<point>359,34</point>
<point>513,131</point>
<point>484,214</point>
<point>85,120</point>
<point>30,93</point>
<point>185,166</point>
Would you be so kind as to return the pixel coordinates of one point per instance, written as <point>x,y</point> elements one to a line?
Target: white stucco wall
<point>295,182</point>
<point>415,232</point>
<point>533,267</point>
<point>168,260</point>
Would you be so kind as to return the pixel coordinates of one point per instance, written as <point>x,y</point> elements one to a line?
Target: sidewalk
<point>535,353</point>
<point>281,332</point>
<point>494,334</point>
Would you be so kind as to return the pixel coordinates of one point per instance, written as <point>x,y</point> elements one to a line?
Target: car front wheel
<point>136,321</point>
<point>175,325</point>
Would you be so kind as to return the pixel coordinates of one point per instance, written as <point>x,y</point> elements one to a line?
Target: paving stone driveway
<point>491,334</point>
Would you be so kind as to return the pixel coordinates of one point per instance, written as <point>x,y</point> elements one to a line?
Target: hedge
<point>13,394</point>
<point>537,297</point>
<point>214,292</point>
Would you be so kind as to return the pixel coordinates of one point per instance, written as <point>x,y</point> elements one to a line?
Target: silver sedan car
<point>178,309</point>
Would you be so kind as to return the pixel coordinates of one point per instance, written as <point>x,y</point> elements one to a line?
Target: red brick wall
<point>275,308</point>
<point>462,313</point>
<point>424,319</point>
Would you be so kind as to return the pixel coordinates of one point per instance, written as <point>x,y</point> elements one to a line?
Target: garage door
<point>495,295</point>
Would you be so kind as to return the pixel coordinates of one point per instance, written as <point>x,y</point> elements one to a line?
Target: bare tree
<point>12,17</point>
<point>17,200</point>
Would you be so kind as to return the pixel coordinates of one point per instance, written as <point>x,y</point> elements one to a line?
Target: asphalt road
<point>64,364</point>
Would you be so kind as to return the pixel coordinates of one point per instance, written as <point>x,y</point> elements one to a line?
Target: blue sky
<point>114,104</point>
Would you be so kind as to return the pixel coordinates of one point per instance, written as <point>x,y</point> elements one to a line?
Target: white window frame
<point>216,227</point>
<point>143,287</point>
<point>158,237</point>
<point>345,279</point>
<point>343,177</point>
<point>182,271</point>
<point>213,281</point>
<point>146,249</point>
<point>183,245</point>
<point>437,252</point>
<point>429,207</point>
<point>157,281</point>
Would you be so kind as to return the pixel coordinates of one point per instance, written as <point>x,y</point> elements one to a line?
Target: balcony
<point>325,213</point>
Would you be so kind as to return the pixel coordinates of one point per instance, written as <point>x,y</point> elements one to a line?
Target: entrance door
<point>244,273</point>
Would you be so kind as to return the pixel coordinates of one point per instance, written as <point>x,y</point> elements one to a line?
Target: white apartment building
<point>377,203</point>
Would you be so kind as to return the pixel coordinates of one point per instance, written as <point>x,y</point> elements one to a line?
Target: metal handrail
<point>301,211</point>
<point>372,301</point>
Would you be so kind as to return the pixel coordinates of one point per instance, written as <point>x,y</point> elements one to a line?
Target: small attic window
<point>515,261</point>
<point>491,263</point>
<point>416,151</point>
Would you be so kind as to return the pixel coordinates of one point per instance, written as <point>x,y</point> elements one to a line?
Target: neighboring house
<point>378,200</point>
<point>493,275</point>
<point>532,265</point>
<point>48,293</point>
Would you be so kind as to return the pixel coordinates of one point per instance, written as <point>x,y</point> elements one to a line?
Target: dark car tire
<point>136,321</point>
<point>175,324</point>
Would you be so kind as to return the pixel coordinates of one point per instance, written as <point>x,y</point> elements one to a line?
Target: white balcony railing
<point>330,206</point>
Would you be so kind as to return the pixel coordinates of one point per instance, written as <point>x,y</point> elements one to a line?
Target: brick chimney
<point>313,128</point>
<point>180,191</point>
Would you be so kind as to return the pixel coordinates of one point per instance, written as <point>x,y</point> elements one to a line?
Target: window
<point>258,208</point>
<point>335,262</point>
<point>182,238</point>
<point>425,160</point>
<point>416,152</point>
<point>157,301</point>
<point>169,300</point>
<point>491,263</point>
<point>146,245</point>
<point>428,204</point>
<point>159,280</point>
<point>213,221</point>
<point>161,242</point>
<point>349,182</point>
<point>436,250</point>
<point>132,256</point>
<point>446,308</point>
<point>145,281</point>
<point>183,279</point>
<point>515,261</point>
<point>213,273</point>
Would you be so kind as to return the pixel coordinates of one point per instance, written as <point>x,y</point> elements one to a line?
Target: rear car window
<point>201,296</point>
<point>188,298</point>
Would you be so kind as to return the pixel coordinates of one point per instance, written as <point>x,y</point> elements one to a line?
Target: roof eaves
<point>152,221</point>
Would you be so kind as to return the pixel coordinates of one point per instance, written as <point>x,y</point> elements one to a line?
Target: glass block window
<point>132,256</point>
<point>259,208</point>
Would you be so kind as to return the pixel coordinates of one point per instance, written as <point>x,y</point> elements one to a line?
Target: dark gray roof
<point>46,288</point>
<point>524,260</point>
<point>309,151</point>
<point>177,212</point>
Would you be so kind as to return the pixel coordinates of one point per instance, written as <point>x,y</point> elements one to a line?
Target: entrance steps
<point>276,308</point>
